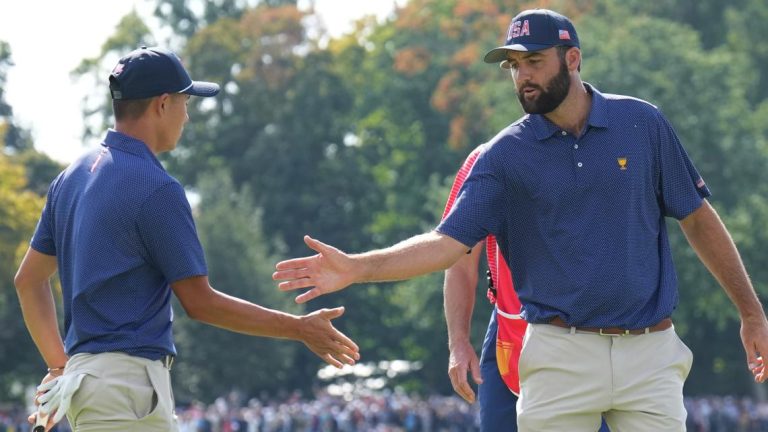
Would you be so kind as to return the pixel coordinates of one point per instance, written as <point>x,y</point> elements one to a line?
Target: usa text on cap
<point>535,30</point>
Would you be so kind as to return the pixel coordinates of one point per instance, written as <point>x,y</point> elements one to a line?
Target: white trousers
<point>570,378</point>
<point>121,392</point>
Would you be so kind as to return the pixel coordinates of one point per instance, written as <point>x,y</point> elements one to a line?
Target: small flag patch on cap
<point>564,35</point>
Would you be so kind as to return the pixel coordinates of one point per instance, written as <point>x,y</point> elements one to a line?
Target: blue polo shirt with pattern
<point>121,229</point>
<point>581,219</point>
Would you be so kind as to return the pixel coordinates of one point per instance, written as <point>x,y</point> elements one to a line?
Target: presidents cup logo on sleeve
<point>622,163</point>
<point>518,28</point>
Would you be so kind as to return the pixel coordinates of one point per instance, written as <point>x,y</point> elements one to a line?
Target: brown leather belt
<point>616,331</point>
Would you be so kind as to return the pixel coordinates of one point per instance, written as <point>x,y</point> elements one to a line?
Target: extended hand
<point>326,272</point>
<point>331,345</point>
<point>461,361</point>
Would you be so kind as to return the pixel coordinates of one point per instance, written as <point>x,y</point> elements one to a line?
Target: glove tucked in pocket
<point>57,394</point>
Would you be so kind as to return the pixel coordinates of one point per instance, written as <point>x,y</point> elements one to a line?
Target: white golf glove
<point>57,394</point>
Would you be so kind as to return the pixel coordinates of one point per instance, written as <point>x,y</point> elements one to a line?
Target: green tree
<point>20,208</point>
<point>39,169</point>
<point>742,24</point>
<point>705,17</point>
<point>24,177</point>
<point>276,127</point>
<point>212,361</point>
<point>185,18</point>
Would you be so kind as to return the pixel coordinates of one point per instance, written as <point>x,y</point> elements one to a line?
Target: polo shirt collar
<point>598,116</point>
<point>128,144</point>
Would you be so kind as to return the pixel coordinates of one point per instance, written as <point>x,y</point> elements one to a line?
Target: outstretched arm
<point>459,290</point>
<point>332,270</point>
<point>708,236</point>
<point>315,330</point>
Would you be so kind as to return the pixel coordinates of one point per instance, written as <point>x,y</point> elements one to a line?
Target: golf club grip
<point>40,421</point>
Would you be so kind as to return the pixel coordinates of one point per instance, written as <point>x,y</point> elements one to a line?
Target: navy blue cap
<point>148,72</point>
<point>535,30</point>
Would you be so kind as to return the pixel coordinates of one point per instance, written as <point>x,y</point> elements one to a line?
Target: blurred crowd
<point>388,411</point>
<point>726,414</point>
<point>382,412</point>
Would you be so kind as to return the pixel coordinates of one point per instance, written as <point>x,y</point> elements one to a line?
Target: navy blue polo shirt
<point>121,229</point>
<point>580,220</point>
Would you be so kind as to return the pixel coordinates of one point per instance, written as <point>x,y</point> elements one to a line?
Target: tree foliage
<point>212,361</point>
<point>24,177</point>
<point>19,210</point>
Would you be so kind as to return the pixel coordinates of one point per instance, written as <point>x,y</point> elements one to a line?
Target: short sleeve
<point>43,239</point>
<point>168,232</point>
<point>682,188</point>
<point>479,207</point>
<point>458,181</point>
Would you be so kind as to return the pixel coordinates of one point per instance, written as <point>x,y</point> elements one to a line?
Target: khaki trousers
<point>570,378</point>
<point>121,392</point>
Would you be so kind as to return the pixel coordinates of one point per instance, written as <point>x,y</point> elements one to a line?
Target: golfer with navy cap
<point>119,230</point>
<point>577,193</point>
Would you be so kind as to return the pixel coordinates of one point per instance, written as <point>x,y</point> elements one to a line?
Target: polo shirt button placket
<point>575,147</point>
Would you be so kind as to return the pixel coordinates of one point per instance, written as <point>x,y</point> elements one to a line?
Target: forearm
<point>418,255</point>
<point>314,329</point>
<point>459,296</point>
<point>39,311</point>
<point>459,304</point>
<point>237,315</point>
<point>713,244</point>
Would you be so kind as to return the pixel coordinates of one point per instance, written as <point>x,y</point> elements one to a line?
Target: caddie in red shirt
<point>496,371</point>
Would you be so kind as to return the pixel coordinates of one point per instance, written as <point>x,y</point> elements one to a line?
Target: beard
<point>550,97</point>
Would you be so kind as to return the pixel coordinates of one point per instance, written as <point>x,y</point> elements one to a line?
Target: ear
<point>163,103</point>
<point>573,59</point>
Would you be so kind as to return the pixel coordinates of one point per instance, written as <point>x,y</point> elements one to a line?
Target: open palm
<point>328,271</point>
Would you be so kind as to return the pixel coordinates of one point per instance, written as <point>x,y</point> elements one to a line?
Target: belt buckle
<point>624,333</point>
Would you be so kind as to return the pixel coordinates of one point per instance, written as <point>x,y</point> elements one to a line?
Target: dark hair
<point>130,109</point>
<point>561,50</point>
